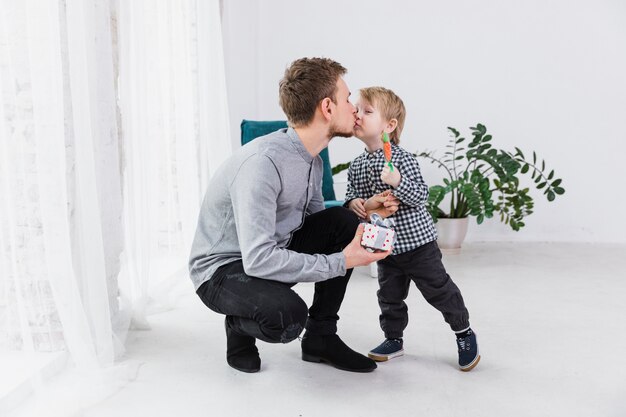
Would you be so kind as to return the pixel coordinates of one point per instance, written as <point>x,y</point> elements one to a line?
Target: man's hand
<point>356,206</point>
<point>384,204</point>
<point>356,255</point>
<point>390,177</point>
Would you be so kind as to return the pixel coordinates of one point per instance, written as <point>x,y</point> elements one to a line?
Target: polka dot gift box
<point>378,235</point>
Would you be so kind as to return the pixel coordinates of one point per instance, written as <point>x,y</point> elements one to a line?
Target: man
<point>262,228</point>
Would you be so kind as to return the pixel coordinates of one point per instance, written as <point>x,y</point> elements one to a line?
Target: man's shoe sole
<point>246,370</point>
<point>318,359</point>
<point>384,358</point>
<point>472,365</point>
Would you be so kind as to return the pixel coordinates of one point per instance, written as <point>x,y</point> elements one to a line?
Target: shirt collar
<point>298,145</point>
<point>377,152</point>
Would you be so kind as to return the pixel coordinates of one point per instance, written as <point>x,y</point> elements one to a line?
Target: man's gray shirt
<point>254,203</point>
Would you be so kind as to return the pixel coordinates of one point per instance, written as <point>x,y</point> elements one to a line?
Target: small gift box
<point>378,235</point>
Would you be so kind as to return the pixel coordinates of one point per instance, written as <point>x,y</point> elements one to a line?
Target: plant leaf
<point>454,131</point>
<point>340,167</point>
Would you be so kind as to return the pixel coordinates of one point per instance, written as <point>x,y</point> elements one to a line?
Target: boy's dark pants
<point>270,310</point>
<point>424,267</point>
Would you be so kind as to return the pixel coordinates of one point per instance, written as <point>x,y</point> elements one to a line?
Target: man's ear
<point>326,108</point>
<point>391,125</point>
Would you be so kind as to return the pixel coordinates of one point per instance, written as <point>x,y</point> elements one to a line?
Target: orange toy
<point>387,149</point>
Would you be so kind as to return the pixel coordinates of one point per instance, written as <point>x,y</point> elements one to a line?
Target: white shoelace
<point>462,344</point>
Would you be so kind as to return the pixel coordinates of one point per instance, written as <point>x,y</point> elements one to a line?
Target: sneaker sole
<point>317,359</point>
<point>472,365</point>
<point>384,358</point>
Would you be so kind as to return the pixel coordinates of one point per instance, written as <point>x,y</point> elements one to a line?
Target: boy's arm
<point>353,201</point>
<point>412,189</point>
<point>351,192</point>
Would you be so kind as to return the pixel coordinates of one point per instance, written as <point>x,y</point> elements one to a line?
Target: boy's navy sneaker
<point>388,349</point>
<point>468,351</point>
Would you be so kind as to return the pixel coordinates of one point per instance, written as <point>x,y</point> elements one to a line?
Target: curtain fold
<point>172,93</point>
<point>87,106</point>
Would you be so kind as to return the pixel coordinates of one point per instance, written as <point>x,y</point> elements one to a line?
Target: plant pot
<point>451,233</point>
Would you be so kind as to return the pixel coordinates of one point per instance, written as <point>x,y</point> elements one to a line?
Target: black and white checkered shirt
<point>413,224</point>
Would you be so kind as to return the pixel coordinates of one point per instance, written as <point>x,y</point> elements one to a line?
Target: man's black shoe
<point>241,351</point>
<point>332,350</point>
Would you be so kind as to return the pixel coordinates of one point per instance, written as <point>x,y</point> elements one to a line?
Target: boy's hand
<point>384,204</point>
<point>390,177</point>
<point>356,255</point>
<point>356,206</point>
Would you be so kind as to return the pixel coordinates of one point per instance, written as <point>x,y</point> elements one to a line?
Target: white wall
<point>544,76</point>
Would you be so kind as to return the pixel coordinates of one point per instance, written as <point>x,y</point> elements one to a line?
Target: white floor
<point>550,320</point>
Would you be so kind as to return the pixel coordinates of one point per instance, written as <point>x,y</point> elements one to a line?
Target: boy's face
<point>370,123</point>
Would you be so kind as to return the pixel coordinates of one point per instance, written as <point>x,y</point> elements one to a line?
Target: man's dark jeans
<point>270,310</point>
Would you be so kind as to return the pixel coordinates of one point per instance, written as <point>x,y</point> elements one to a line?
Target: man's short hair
<point>306,82</point>
<point>389,105</point>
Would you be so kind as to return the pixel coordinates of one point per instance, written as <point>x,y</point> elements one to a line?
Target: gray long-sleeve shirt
<point>254,203</point>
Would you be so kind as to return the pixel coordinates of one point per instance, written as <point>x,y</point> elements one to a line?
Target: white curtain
<point>113,116</point>
<point>175,125</point>
<point>53,257</point>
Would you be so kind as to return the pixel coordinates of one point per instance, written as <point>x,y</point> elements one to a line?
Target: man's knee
<point>298,313</point>
<point>344,215</point>
<point>346,220</point>
<point>288,322</point>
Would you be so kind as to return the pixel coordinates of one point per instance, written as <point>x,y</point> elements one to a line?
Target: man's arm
<point>254,194</point>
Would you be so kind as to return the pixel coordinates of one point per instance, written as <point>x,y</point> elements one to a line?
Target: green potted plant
<point>483,181</point>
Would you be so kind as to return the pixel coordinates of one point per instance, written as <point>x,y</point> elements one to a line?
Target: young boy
<point>416,256</point>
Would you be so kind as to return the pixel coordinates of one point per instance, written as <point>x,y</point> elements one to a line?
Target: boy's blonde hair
<point>389,105</point>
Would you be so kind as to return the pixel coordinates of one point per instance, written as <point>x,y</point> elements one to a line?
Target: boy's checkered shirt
<point>413,224</point>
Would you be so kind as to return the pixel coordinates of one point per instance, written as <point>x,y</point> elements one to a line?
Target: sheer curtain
<point>112,118</point>
<point>173,106</point>
<point>53,256</point>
